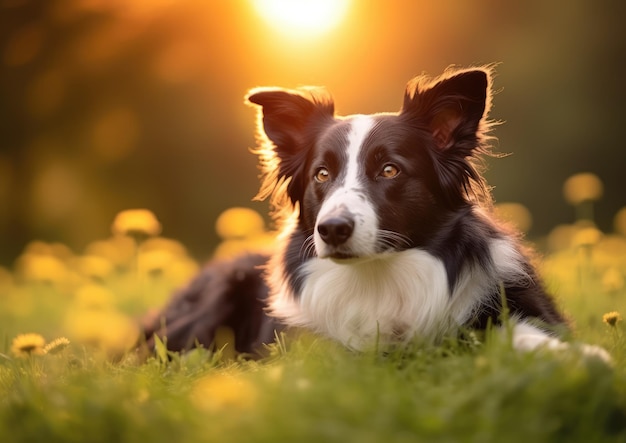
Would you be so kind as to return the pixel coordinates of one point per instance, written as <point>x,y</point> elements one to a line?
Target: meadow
<point>69,372</point>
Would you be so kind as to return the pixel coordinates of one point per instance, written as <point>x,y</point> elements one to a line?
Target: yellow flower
<point>42,268</point>
<point>118,250</point>
<point>92,296</point>
<point>265,242</point>
<point>173,247</point>
<point>57,250</point>
<point>515,213</point>
<point>582,187</point>
<point>57,345</point>
<point>28,344</point>
<point>181,271</point>
<point>220,391</point>
<point>242,230</point>
<point>239,223</point>
<point>620,221</point>
<point>612,318</point>
<point>561,237</point>
<point>587,237</point>
<point>136,223</point>
<point>109,330</point>
<point>95,267</point>
<point>155,262</point>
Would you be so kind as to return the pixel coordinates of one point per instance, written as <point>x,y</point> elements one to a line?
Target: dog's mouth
<point>348,257</point>
<point>342,256</point>
<point>339,255</point>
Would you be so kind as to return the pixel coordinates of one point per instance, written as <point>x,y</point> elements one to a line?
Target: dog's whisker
<point>393,239</point>
<point>308,247</point>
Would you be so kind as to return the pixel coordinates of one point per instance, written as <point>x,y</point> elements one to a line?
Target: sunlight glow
<point>302,17</point>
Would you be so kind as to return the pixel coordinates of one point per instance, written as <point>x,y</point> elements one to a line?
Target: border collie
<point>386,230</point>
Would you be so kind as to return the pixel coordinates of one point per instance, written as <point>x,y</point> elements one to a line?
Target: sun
<point>302,17</point>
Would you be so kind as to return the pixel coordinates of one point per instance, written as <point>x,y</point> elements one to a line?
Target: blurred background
<point>107,105</point>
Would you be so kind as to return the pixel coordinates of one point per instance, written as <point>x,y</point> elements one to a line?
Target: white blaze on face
<point>352,198</point>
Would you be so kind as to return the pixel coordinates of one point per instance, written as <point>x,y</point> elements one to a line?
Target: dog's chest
<point>395,297</point>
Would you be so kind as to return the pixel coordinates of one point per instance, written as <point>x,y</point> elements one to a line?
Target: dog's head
<point>368,184</point>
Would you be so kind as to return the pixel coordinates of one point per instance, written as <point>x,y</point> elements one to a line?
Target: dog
<point>387,233</point>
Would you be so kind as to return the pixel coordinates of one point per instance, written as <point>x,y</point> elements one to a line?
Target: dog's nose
<point>336,231</point>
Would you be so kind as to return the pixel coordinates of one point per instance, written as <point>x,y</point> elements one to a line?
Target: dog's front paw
<point>596,352</point>
<point>527,337</point>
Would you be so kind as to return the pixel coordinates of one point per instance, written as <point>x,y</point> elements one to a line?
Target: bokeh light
<point>516,214</point>
<point>136,222</point>
<point>302,18</point>
<point>619,222</point>
<point>582,187</point>
<point>242,230</point>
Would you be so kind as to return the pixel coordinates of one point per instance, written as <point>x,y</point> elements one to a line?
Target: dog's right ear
<point>286,114</point>
<point>289,119</point>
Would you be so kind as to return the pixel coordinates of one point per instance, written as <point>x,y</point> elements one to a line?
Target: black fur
<point>225,294</point>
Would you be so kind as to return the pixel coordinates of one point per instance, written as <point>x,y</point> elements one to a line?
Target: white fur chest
<point>394,297</point>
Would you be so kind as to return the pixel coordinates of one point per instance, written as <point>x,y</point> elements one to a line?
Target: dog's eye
<point>389,171</point>
<point>322,175</point>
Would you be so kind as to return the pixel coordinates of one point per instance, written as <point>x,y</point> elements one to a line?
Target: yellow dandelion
<point>56,346</point>
<point>239,223</point>
<point>109,330</point>
<point>58,250</point>
<point>242,230</point>
<point>223,391</point>
<point>263,243</point>
<point>118,250</point>
<point>587,237</point>
<point>614,247</point>
<point>95,267</point>
<point>155,262</point>
<point>173,247</point>
<point>92,296</point>
<point>28,344</point>
<point>582,187</point>
<point>139,223</point>
<point>612,318</point>
<point>516,214</point>
<point>561,237</point>
<point>42,268</point>
<point>181,271</point>
<point>619,222</point>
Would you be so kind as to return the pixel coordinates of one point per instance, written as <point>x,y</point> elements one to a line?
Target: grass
<point>313,390</point>
<point>95,389</point>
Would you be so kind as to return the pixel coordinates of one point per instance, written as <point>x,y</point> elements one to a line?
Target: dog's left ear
<point>452,106</point>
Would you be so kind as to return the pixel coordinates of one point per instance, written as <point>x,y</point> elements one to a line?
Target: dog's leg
<point>229,294</point>
<point>527,337</point>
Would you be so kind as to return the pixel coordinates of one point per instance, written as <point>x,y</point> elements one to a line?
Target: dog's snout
<point>336,231</point>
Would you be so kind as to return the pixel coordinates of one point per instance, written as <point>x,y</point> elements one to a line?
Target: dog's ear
<point>290,119</point>
<point>286,114</point>
<point>452,106</point>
